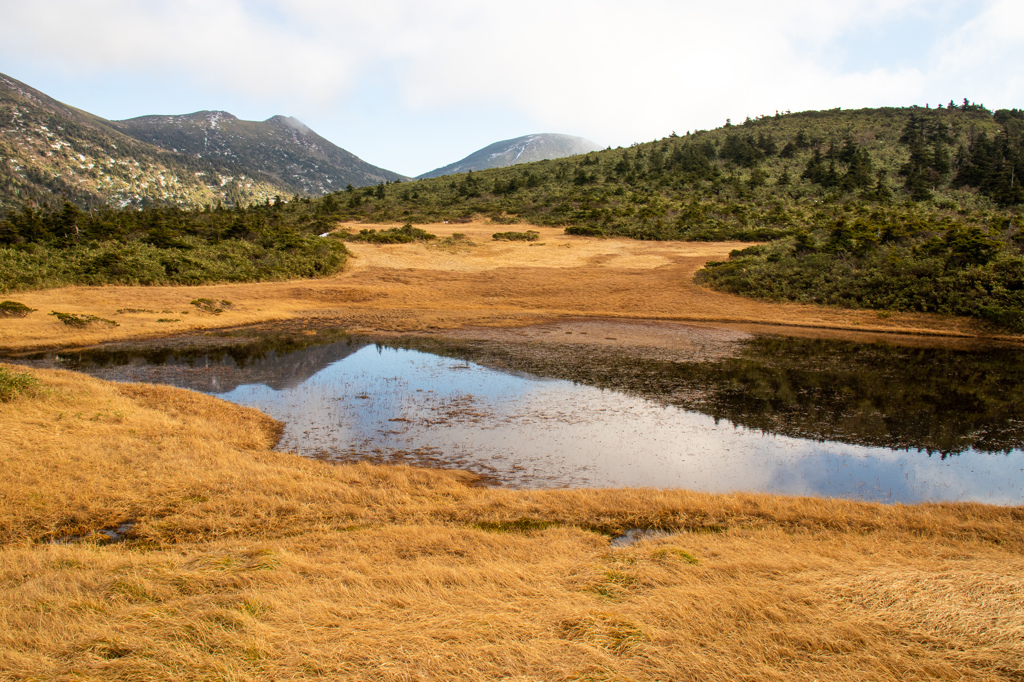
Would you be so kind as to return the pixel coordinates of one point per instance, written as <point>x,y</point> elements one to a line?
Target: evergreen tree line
<point>165,245</point>
<point>888,261</point>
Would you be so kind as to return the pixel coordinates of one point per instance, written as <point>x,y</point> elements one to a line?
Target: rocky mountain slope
<point>51,152</point>
<point>519,150</point>
<point>282,148</point>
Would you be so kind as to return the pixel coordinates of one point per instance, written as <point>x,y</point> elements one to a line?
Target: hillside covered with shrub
<point>914,209</point>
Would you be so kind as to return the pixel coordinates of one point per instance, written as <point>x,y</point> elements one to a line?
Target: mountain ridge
<point>281,147</point>
<point>52,152</point>
<point>517,150</point>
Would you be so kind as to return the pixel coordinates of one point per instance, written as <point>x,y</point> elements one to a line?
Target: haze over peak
<point>523,149</point>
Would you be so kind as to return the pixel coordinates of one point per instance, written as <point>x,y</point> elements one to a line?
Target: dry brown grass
<point>415,287</point>
<point>248,564</point>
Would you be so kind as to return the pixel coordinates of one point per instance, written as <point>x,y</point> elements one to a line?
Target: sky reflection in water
<point>532,432</point>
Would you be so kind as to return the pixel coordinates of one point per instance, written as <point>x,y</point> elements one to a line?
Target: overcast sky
<point>411,86</point>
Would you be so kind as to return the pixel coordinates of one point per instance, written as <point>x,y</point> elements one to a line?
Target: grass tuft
<point>14,384</point>
<point>604,630</point>
<point>677,553</point>
<point>517,526</point>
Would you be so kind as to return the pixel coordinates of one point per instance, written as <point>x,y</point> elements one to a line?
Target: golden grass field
<point>416,287</point>
<point>243,563</point>
<point>248,564</point>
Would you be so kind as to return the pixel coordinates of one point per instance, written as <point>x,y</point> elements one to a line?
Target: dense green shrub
<point>164,246</point>
<point>14,309</point>
<point>957,273</point>
<point>110,262</point>
<point>528,236</point>
<point>394,235</point>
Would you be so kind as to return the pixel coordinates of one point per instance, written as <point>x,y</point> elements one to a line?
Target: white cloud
<point>217,43</point>
<point>983,57</point>
<point>616,72</point>
<point>645,69</point>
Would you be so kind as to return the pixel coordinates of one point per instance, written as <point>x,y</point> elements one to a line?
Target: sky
<point>411,86</point>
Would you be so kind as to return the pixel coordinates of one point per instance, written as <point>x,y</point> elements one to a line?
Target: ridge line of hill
<point>51,152</point>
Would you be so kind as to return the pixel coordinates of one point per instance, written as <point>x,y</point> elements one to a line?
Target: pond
<point>773,414</point>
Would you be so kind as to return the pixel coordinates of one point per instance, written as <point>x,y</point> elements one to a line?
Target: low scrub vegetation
<point>394,235</point>
<point>527,236</point>
<point>457,242</point>
<point>80,320</point>
<point>887,260</point>
<point>160,246</point>
<point>212,306</point>
<point>14,309</point>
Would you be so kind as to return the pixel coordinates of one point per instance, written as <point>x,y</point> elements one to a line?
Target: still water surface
<point>355,400</point>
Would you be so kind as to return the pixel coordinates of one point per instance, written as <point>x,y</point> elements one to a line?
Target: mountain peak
<point>53,151</point>
<point>536,147</point>
<point>205,116</point>
<point>290,122</point>
<point>282,149</point>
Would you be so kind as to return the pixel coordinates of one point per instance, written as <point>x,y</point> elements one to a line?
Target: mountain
<point>765,178</point>
<point>51,152</point>
<point>281,148</point>
<point>519,150</point>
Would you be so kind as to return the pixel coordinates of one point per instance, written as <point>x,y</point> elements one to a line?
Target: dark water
<point>781,415</point>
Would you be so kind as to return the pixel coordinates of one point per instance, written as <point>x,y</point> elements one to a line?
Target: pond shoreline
<point>659,333</point>
<point>813,416</point>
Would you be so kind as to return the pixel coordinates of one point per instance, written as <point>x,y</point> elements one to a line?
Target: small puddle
<point>116,534</point>
<point>634,535</point>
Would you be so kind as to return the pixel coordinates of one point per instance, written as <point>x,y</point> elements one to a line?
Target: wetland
<point>149,532</point>
<point>568,405</point>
